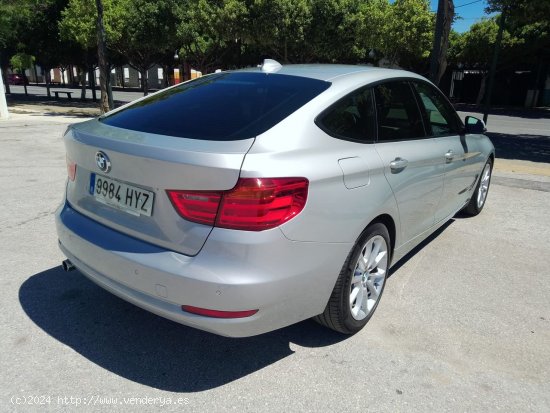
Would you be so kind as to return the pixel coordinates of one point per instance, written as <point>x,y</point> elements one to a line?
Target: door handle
<point>398,164</point>
<point>449,156</point>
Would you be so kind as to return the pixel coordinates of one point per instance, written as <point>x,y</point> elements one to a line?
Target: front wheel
<point>360,284</point>
<point>477,202</point>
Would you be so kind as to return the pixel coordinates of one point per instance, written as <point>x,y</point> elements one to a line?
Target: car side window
<point>351,118</point>
<point>398,115</point>
<point>440,117</point>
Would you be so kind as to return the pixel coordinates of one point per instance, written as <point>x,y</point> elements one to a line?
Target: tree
<point>79,23</point>
<point>528,22</point>
<point>208,30</point>
<point>42,40</point>
<point>104,68</point>
<point>408,33</point>
<point>147,32</point>
<point>277,28</point>
<point>13,20</point>
<point>438,60</point>
<point>375,16</point>
<point>336,32</point>
<point>21,62</point>
<point>475,48</point>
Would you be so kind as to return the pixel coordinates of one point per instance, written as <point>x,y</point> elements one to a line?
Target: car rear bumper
<point>286,281</point>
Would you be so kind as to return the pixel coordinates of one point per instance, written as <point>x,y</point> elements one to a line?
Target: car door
<point>456,157</point>
<point>412,165</point>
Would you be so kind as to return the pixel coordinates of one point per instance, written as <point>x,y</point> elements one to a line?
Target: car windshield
<point>221,107</point>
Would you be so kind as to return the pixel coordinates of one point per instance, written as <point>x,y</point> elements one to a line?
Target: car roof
<point>333,72</point>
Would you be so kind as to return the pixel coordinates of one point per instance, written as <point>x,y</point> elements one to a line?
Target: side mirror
<point>475,125</point>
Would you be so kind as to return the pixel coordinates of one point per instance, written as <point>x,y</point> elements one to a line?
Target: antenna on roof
<point>270,66</point>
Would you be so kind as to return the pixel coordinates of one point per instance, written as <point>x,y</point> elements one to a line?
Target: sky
<point>470,13</point>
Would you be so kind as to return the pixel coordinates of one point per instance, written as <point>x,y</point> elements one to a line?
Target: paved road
<point>464,324</point>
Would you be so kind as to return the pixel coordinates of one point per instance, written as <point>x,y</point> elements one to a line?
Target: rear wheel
<point>360,284</point>
<point>477,202</point>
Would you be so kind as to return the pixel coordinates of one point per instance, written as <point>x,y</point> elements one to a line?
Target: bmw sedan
<point>245,201</point>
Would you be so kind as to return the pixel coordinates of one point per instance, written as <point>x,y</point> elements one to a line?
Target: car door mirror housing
<point>474,125</point>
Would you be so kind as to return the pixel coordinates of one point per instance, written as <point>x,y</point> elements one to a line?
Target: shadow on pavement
<point>526,113</point>
<point>18,99</point>
<point>154,351</point>
<point>68,114</point>
<point>148,349</point>
<point>535,148</point>
<point>419,247</point>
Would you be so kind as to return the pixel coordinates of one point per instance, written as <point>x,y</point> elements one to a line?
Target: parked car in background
<point>245,201</point>
<point>17,79</point>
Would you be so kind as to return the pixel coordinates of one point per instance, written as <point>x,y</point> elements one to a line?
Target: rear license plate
<point>129,198</point>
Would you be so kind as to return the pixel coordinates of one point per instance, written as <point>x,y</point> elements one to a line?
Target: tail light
<point>71,169</point>
<point>254,204</point>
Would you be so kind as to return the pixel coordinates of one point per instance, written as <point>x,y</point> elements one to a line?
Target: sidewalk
<point>47,107</point>
<point>522,169</point>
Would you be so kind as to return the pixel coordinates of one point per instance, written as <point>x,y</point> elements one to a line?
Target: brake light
<point>71,169</point>
<point>217,313</point>
<point>196,206</point>
<point>254,204</point>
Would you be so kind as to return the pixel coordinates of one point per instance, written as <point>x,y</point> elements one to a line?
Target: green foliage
<point>477,44</point>
<point>528,10</point>
<point>523,42</point>
<point>206,29</point>
<point>232,33</point>
<point>408,32</point>
<point>21,61</point>
<point>375,15</point>
<point>145,29</point>
<point>337,31</point>
<point>278,27</point>
<point>14,15</point>
<point>225,33</point>
<point>78,23</point>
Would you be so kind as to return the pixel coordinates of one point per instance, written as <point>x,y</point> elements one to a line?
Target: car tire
<point>479,197</point>
<point>360,283</point>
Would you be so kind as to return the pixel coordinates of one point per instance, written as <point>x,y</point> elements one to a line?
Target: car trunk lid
<point>149,164</point>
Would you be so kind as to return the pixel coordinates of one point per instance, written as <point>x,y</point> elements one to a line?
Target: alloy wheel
<point>484,186</point>
<point>369,276</point>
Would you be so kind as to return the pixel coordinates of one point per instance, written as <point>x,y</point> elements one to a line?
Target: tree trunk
<point>494,61</point>
<point>48,85</point>
<point>122,77</point>
<point>25,80</point>
<point>144,84</point>
<point>35,74</point>
<point>186,72</point>
<point>449,16</point>
<point>5,76</point>
<point>104,72</point>
<point>164,77</point>
<point>482,87</point>
<point>82,71</point>
<point>91,81</point>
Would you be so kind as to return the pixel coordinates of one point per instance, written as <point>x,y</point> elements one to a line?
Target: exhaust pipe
<point>67,265</point>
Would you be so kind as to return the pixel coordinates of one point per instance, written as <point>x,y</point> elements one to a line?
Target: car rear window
<point>220,107</point>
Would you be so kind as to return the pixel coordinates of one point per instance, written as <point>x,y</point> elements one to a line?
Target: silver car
<point>246,201</point>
